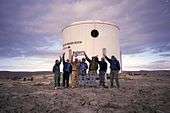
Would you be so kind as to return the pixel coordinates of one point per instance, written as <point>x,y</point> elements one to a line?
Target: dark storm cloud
<point>19,35</point>
<point>147,27</point>
<point>33,27</point>
<point>27,47</point>
<point>142,25</point>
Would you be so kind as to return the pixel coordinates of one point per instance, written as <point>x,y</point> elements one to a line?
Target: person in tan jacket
<point>75,71</point>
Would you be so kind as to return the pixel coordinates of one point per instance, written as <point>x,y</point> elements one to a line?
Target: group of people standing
<point>78,71</point>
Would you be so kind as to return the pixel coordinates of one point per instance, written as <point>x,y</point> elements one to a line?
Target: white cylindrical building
<point>93,37</point>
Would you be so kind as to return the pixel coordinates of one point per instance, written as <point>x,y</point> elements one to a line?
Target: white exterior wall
<point>107,38</point>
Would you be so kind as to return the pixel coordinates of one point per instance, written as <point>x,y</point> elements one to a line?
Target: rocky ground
<point>138,94</point>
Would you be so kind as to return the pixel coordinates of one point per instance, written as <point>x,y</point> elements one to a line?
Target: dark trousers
<point>57,79</point>
<point>66,79</point>
<point>102,78</point>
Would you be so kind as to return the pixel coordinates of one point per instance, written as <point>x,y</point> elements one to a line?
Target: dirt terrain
<point>137,94</point>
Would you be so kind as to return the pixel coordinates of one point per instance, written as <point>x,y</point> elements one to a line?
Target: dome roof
<point>93,22</point>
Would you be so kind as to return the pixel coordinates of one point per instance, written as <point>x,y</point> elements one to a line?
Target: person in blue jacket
<point>114,70</point>
<point>83,72</point>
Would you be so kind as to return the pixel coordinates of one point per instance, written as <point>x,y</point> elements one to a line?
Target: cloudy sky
<point>31,37</point>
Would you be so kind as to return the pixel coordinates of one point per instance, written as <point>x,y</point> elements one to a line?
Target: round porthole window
<point>94,33</point>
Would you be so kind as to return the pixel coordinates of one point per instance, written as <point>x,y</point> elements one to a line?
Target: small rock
<point>93,103</point>
<point>159,111</point>
<point>24,79</point>
<point>31,79</point>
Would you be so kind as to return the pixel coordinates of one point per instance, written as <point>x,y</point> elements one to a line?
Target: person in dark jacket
<point>114,70</point>
<point>102,71</point>
<point>93,66</point>
<point>67,70</point>
<point>56,71</point>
